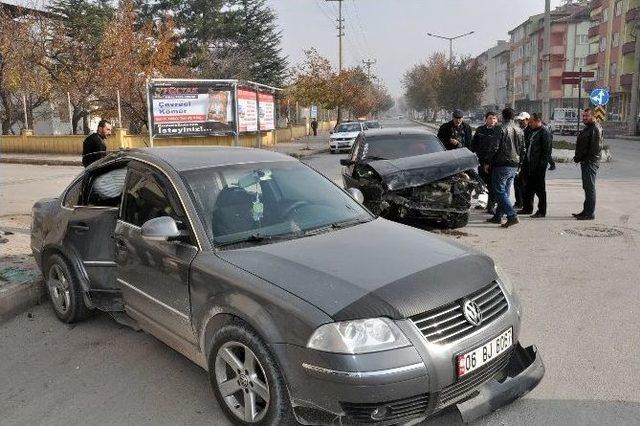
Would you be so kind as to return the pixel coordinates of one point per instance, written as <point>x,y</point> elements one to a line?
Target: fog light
<point>379,413</point>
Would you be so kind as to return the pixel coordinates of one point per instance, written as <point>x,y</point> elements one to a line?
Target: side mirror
<point>356,194</point>
<point>160,228</point>
<point>346,162</point>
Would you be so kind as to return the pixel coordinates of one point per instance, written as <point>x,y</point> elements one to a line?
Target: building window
<point>582,39</point>
<point>616,39</point>
<point>619,7</point>
<point>603,44</point>
<point>600,73</point>
<point>614,69</point>
<point>605,15</point>
<point>581,62</point>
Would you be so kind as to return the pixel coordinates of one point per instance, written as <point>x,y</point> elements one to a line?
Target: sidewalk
<point>300,148</point>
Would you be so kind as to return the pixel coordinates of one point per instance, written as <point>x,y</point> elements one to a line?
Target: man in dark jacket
<point>455,133</point>
<point>534,165</point>
<point>94,146</point>
<point>588,147</point>
<point>505,159</point>
<point>484,138</point>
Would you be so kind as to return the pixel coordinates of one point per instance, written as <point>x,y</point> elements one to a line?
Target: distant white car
<point>344,135</point>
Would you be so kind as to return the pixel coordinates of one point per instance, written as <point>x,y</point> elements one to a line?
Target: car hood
<point>420,170</point>
<point>379,268</point>
<point>349,135</point>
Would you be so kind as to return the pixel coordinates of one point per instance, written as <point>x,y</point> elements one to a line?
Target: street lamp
<point>450,43</point>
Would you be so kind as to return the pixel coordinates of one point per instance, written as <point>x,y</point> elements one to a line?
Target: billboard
<point>267,111</point>
<point>247,110</point>
<point>191,109</point>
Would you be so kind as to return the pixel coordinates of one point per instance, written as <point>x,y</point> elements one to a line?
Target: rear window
<point>372,125</point>
<point>397,146</point>
<point>348,127</point>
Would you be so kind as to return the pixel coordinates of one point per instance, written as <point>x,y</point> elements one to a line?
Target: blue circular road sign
<point>599,96</point>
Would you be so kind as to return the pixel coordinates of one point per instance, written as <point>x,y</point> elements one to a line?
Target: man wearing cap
<point>455,133</point>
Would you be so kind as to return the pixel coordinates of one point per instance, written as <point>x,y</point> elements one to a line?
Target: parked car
<point>407,173</point>
<point>344,134</point>
<point>300,304</point>
<point>372,124</point>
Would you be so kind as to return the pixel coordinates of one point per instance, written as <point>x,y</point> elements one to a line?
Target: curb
<point>40,161</point>
<point>18,297</point>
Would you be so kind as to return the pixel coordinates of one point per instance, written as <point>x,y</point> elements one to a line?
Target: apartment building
<point>496,64</point>
<point>569,48</point>
<point>614,24</point>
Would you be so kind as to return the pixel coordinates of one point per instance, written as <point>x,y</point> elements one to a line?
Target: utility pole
<point>368,63</point>
<point>546,58</point>
<point>450,43</point>
<point>635,88</point>
<point>340,29</point>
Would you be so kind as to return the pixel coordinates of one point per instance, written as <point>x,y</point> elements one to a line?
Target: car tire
<point>64,290</point>
<point>332,151</point>
<point>262,385</point>
<point>458,221</point>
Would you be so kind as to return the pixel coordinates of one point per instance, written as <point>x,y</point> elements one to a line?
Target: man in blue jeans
<point>505,156</point>
<point>588,147</point>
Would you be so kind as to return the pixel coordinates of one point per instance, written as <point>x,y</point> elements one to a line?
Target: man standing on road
<point>484,138</point>
<point>314,127</point>
<point>588,147</point>
<point>519,182</point>
<point>505,159</point>
<point>94,146</point>
<point>455,133</point>
<point>536,160</point>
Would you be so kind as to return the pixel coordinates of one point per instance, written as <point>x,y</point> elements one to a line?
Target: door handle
<point>80,227</point>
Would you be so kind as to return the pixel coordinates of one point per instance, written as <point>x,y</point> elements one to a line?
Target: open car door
<point>90,235</point>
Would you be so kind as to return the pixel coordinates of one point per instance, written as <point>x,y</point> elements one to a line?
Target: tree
<point>461,86</point>
<point>225,38</point>
<point>422,83</point>
<point>74,38</point>
<point>128,57</point>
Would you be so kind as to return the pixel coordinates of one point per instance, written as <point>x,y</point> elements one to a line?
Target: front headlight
<point>358,336</point>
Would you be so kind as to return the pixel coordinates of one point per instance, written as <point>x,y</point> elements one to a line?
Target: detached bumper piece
<point>388,412</point>
<point>523,373</point>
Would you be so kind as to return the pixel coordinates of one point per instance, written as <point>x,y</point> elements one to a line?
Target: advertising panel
<point>191,109</point>
<point>247,111</point>
<point>267,111</point>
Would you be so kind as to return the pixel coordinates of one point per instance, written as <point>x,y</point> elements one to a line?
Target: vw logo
<point>472,312</point>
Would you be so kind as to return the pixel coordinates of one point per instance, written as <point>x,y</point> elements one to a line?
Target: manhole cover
<point>595,231</point>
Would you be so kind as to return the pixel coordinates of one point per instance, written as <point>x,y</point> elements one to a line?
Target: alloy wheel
<point>59,289</point>
<point>242,382</point>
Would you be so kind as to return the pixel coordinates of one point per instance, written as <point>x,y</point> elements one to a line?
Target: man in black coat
<point>484,138</point>
<point>588,147</point>
<point>455,133</point>
<point>94,146</point>
<point>535,162</point>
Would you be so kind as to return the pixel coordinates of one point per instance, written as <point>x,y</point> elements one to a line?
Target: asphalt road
<point>580,295</point>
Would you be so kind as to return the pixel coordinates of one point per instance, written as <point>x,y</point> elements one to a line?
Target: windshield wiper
<point>335,225</point>
<point>374,158</point>
<point>258,238</point>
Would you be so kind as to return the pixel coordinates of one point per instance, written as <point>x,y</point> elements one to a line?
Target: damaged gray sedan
<point>408,174</point>
<point>299,303</point>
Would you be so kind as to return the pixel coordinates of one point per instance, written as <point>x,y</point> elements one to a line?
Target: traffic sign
<point>314,111</point>
<point>599,96</point>
<point>570,80</point>
<point>578,74</point>
<point>600,113</point>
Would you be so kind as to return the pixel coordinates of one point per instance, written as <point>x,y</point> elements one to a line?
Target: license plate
<point>472,360</point>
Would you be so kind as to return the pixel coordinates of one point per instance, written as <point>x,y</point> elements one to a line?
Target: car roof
<point>183,158</point>
<point>398,131</point>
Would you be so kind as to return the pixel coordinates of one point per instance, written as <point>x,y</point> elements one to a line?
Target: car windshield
<point>398,146</point>
<point>372,125</point>
<point>348,127</point>
<point>261,202</point>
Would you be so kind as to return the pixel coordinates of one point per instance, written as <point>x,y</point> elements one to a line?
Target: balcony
<point>592,59</point>
<point>629,47</point>
<point>594,31</point>
<point>626,79</point>
<point>633,15</point>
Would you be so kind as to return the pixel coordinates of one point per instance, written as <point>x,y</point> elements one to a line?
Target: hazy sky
<point>394,31</point>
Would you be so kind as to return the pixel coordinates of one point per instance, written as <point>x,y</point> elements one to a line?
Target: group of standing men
<point>518,152</point>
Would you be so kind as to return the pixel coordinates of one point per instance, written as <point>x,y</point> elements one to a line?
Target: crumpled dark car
<point>300,305</point>
<point>407,173</point>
